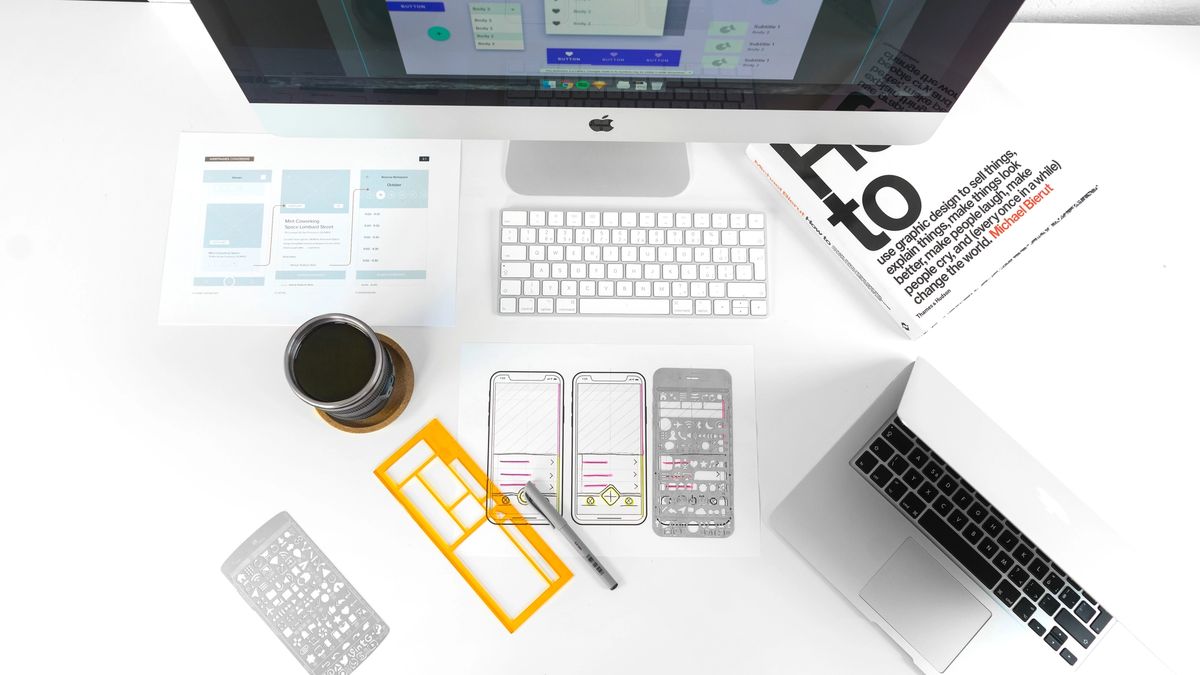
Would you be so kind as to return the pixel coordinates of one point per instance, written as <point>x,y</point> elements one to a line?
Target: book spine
<point>911,326</point>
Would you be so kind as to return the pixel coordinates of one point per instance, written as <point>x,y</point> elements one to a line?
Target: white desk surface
<point>136,457</point>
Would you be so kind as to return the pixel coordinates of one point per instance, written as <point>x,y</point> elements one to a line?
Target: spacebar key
<point>959,549</point>
<point>623,306</point>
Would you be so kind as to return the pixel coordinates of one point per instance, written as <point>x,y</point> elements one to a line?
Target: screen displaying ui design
<point>713,39</point>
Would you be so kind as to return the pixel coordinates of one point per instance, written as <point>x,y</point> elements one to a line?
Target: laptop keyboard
<point>976,535</point>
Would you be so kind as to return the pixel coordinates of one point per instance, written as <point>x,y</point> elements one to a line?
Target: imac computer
<point>643,76</point>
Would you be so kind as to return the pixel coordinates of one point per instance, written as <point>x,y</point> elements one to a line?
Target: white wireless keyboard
<point>632,263</point>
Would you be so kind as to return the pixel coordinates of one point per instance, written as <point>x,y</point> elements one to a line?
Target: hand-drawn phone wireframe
<point>608,448</point>
<point>693,453</point>
<point>525,421</point>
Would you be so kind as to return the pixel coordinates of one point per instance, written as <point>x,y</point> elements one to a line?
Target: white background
<point>136,457</point>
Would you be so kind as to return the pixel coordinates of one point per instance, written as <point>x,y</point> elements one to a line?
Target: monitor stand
<point>587,168</point>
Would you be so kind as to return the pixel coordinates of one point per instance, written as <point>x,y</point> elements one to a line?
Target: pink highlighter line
<point>599,485</point>
<point>515,474</point>
<point>597,475</point>
<point>513,461</point>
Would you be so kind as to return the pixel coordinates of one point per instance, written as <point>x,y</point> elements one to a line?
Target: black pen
<point>552,516</point>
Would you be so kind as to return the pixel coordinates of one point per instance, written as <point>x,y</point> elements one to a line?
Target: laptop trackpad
<point>922,602</point>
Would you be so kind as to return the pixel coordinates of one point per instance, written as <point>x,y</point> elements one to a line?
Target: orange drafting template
<point>444,490</point>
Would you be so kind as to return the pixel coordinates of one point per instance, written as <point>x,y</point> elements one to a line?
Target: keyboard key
<point>1049,605</point>
<point>1023,554</point>
<point>1007,540</point>
<point>976,511</point>
<point>962,498</point>
<point>624,306</point>
<point>752,238</point>
<point>881,449</point>
<point>932,471</point>
<point>918,458</point>
<point>959,549</point>
<point>1024,609</point>
<point>1068,656</point>
<point>895,489</point>
<point>1101,621</point>
<point>993,526</point>
<point>516,218</point>
<point>1037,627</point>
<point>898,464</point>
<point>912,505</point>
<point>947,485</point>
<point>898,440</point>
<point>987,547</point>
<point>866,462</point>
<point>1038,568</point>
<point>1076,629</point>
<point>758,258</point>
<point>880,476</point>
<point>1033,589</point>
<point>1018,575</point>
<point>1003,562</point>
<point>1007,593</point>
<point>913,478</point>
<point>1085,612</point>
<point>943,505</point>
<point>1055,638</point>
<point>957,519</point>
<point>751,289</point>
<point>928,492</point>
<point>1069,597</point>
<point>508,305</point>
<point>513,270</point>
<point>1054,583</point>
<point>972,533</point>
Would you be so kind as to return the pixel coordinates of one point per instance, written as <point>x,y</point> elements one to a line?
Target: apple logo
<point>602,124</point>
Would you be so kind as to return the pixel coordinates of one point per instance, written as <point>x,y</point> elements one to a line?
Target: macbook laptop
<point>938,527</point>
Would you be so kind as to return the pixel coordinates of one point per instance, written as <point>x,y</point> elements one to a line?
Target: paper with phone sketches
<point>481,361</point>
<point>268,230</point>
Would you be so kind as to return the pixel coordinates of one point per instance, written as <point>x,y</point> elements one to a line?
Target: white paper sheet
<point>481,361</point>
<point>268,230</point>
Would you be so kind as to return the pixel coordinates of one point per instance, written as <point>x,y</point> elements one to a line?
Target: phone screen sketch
<point>693,453</point>
<point>525,411</point>
<point>609,448</point>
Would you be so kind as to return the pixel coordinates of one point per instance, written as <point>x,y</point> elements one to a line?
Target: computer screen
<point>905,55</point>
